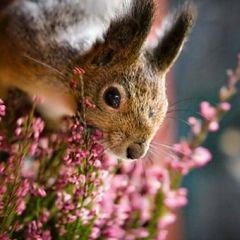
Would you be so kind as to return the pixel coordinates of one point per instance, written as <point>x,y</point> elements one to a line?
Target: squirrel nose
<point>135,150</point>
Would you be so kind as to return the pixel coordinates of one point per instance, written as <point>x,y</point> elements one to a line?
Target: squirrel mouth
<point>125,151</point>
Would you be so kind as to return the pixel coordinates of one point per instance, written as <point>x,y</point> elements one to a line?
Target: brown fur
<point>123,61</point>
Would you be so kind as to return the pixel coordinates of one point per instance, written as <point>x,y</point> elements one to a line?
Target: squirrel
<point>42,41</point>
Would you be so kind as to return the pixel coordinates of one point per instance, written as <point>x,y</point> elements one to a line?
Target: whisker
<point>148,159</point>
<point>171,150</point>
<point>182,110</point>
<point>156,154</point>
<point>167,153</point>
<point>181,101</point>
<point>45,65</point>
<point>177,119</point>
<point>164,145</point>
<point>177,152</point>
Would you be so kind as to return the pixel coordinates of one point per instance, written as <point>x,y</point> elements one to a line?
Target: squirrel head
<point>125,78</point>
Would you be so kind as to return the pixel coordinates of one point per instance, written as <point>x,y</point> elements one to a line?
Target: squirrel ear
<point>126,34</point>
<point>117,41</point>
<point>174,36</point>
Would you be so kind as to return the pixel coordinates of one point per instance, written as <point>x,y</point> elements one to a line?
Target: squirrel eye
<point>112,97</point>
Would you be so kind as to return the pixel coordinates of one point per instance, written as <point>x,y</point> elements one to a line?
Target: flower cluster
<point>59,185</point>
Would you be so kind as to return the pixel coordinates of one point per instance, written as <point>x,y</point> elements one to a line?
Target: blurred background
<point>213,212</point>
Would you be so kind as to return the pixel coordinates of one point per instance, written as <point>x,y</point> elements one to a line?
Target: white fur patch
<point>92,27</point>
<point>77,22</point>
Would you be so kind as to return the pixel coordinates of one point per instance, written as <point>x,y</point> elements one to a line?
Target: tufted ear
<point>126,34</point>
<point>174,36</point>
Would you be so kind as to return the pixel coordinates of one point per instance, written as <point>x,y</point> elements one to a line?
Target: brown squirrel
<point>42,41</point>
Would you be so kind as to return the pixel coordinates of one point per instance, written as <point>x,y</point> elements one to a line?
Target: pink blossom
<point>2,108</point>
<point>166,220</point>
<point>225,106</point>
<point>37,99</point>
<point>20,206</point>
<point>161,235</point>
<point>91,105</point>
<point>18,131</point>
<point>95,232</point>
<point>38,191</point>
<point>114,231</point>
<point>46,235</point>
<point>183,148</point>
<point>73,84</point>
<point>78,71</point>
<point>207,110</point>
<point>138,233</point>
<point>23,189</point>
<point>20,121</point>
<point>97,164</point>
<point>45,216</point>
<point>71,218</point>
<point>195,125</point>
<point>4,236</point>
<point>213,126</point>
<point>201,156</point>
<point>176,198</point>
<point>3,189</point>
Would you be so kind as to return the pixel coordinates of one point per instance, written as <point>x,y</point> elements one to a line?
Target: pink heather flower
<point>18,226</point>
<point>140,233</point>
<point>73,84</point>
<point>37,99</point>
<point>114,232</point>
<point>18,131</point>
<point>143,204</point>
<point>225,106</point>
<point>97,164</point>
<point>3,189</point>
<point>23,189</point>
<point>213,126</point>
<point>45,216</point>
<point>183,148</point>
<point>4,236</point>
<point>78,71</point>
<point>38,191</point>
<point>207,110</point>
<point>37,126</point>
<point>95,232</point>
<point>44,143</point>
<point>71,218</point>
<point>155,178</point>
<point>91,105</point>
<point>161,235</point>
<point>20,121</point>
<point>195,125</point>
<point>201,156</point>
<point>2,108</point>
<point>20,206</point>
<point>33,231</point>
<point>166,220</point>
<point>176,198</point>
<point>33,149</point>
<point>46,235</point>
